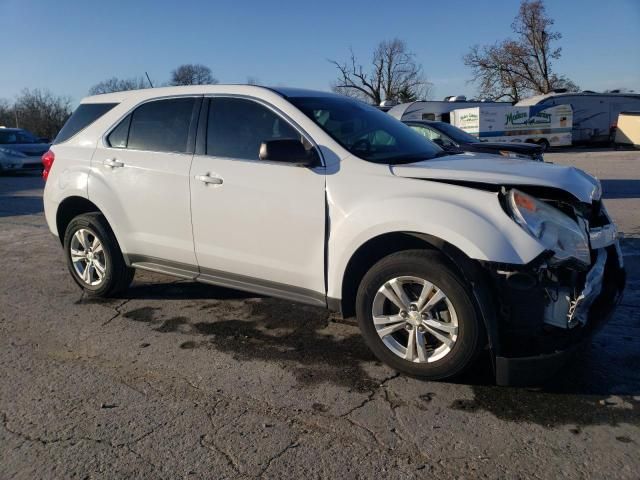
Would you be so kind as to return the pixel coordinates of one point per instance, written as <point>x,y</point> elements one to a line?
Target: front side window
<point>236,127</point>
<point>365,131</point>
<point>160,126</point>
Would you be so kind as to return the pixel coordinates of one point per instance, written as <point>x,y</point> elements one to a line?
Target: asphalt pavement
<point>183,380</point>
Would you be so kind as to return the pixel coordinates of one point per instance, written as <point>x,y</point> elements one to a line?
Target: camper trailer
<point>594,114</point>
<point>436,110</point>
<point>548,127</point>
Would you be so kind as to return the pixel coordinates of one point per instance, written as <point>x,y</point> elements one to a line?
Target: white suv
<point>320,199</point>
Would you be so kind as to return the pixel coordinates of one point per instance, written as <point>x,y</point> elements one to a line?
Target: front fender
<point>473,221</point>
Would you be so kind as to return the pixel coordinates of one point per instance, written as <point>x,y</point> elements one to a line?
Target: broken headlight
<point>555,230</point>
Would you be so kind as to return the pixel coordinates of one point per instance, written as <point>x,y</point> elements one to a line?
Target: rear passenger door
<point>141,175</point>
<point>258,225</point>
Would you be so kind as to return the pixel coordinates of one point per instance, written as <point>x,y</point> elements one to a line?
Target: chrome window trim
<point>105,144</point>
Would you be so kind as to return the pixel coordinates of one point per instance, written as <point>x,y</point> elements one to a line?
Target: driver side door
<point>257,225</point>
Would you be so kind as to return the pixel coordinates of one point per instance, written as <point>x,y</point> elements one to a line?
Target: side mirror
<point>439,142</point>
<point>286,151</point>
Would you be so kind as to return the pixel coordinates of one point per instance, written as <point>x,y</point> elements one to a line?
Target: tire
<point>544,143</point>
<point>81,235</point>
<point>438,359</point>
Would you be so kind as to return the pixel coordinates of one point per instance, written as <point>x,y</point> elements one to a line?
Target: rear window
<point>85,115</point>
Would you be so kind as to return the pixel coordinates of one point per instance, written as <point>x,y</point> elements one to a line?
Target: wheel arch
<point>378,247</point>
<point>70,208</point>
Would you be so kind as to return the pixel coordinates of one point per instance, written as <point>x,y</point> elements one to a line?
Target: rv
<point>436,110</point>
<point>594,114</point>
<point>548,127</point>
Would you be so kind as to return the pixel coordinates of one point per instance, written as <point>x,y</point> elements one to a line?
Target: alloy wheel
<point>88,257</point>
<point>415,319</point>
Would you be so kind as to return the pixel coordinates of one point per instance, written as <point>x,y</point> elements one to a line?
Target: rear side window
<point>161,126</point>
<point>85,115</point>
<point>236,128</point>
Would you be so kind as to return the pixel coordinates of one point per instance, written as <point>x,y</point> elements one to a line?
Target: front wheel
<point>417,315</point>
<point>94,257</point>
<point>544,143</point>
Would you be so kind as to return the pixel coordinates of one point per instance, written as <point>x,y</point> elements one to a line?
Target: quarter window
<point>119,135</point>
<point>236,128</point>
<point>84,115</point>
<point>161,126</point>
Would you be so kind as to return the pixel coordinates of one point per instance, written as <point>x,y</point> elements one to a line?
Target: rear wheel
<point>94,257</point>
<point>417,315</point>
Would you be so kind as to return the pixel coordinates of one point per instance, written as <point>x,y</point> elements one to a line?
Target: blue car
<point>21,150</point>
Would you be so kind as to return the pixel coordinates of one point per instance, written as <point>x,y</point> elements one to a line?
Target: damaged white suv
<point>320,199</point>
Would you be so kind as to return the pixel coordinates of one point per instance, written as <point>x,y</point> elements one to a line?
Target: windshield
<point>367,132</point>
<point>456,134</point>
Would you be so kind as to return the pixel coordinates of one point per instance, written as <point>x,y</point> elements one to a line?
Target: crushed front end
<point>545,309</point>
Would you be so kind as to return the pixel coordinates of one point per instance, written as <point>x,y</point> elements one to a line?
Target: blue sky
<point>67,46</point>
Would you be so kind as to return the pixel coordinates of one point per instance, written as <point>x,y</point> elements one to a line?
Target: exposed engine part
<point>556,312</point>
<point>521,280</point>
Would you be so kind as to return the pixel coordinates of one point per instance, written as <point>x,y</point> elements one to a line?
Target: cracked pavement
<point>183,380</point>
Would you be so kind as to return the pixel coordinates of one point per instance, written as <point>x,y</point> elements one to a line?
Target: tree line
<point>510,69</point>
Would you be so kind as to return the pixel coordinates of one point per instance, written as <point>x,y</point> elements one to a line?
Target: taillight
<point>47,163</point>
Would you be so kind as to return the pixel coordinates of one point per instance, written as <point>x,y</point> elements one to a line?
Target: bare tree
<point>116,84</point>
<point>7,114</point>
<point>393,75</point>
<point>41,112</point>
<point>516,68</point>
<point>192,74</point>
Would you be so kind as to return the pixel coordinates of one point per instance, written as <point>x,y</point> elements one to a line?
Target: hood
<point>496,170</point>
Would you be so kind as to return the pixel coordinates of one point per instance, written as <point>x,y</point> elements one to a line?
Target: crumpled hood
<point>497,170</point>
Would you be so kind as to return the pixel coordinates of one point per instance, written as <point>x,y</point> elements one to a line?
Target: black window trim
<point>192,127</point>
<point>201,139</point>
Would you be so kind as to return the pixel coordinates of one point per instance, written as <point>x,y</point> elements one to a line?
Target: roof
<point>147,93</point>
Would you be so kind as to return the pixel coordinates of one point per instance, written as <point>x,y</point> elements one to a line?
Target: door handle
<point>209,179</point>
<point>113,163</point>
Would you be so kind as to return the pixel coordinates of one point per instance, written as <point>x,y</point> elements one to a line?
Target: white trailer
<point>438,110</point>
<point>548,127</point>
<point>594,114</point>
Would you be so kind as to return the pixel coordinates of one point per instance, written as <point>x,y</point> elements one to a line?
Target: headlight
<point>555,230</point>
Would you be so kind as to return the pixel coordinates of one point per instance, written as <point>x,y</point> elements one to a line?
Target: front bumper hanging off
<point>591,309</point>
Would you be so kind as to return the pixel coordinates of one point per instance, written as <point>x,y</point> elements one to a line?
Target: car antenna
<point>148,79</point>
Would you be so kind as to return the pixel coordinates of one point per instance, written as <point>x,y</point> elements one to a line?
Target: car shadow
<point>595,388</point>
<point>12,206</point>
<point>620,188</point>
